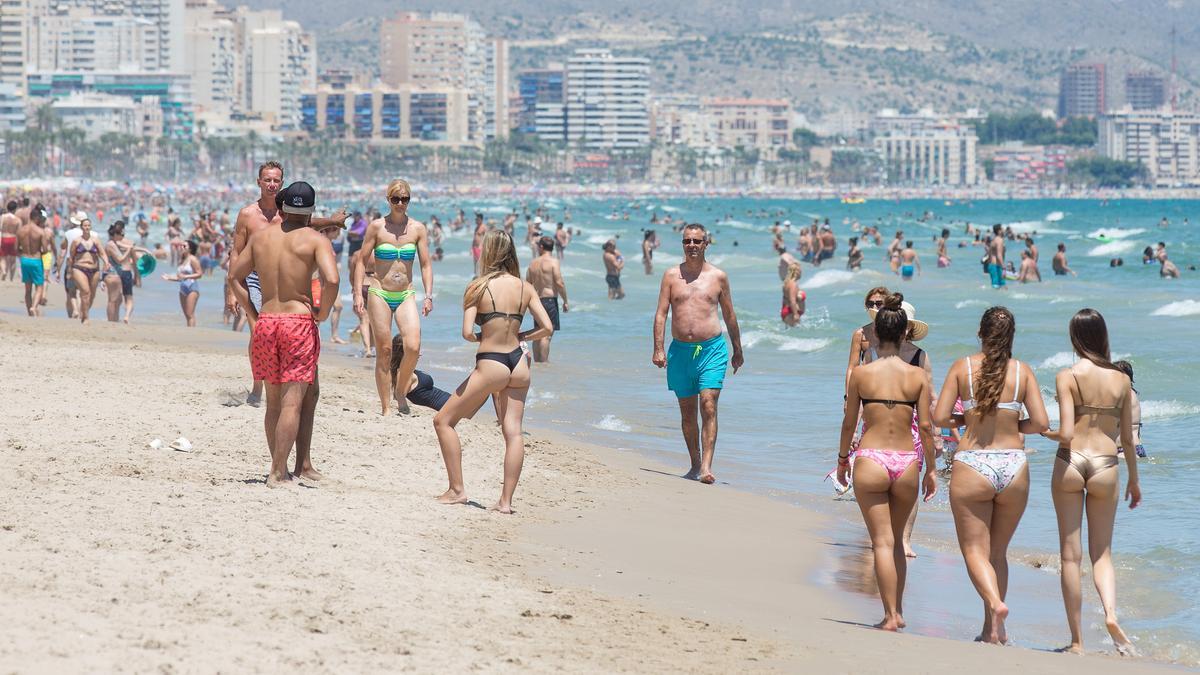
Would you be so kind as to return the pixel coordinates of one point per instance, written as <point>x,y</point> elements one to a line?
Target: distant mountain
<point>828,56</point>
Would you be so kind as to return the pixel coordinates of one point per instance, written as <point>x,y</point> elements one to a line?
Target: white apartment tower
<point>936,155</point>
<point>442,49</point>
<point>607,100</point>
<point>159,25</point>
<point>14,15</point>
<point>245,62</point>
<point>1166,142</point>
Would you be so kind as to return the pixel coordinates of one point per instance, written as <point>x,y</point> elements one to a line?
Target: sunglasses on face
<point>876,304</point>
<point>399,200</point>
<point>693,242</point>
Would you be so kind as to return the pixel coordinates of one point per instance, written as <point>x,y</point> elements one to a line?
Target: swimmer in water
<point>793,298</point>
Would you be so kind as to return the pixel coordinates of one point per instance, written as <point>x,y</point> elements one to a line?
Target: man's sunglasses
<point>693,242</point>
<point>399,200</point>
<point>876,304</point>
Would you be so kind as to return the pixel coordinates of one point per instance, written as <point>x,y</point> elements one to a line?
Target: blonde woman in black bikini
<point>495,301</point>
<point>1094,409</point>
<point>887,467</point>
<point>989,482</point>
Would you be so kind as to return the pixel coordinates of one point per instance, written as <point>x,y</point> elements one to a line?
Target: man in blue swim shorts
<point>698,357</point>
<point>34,240</point>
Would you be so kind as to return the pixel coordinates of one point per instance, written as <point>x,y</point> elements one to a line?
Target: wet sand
<point>120,557</point>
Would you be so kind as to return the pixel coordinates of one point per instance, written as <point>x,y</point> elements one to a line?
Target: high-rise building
<point>538,86</point>
<point>760,124</point>
<point>248,63</point>
<point>162,40</point>
<point>1166,142</point>
<point>607,100</point>
<point>14,17</point>
<point>1145,90</point>
<point>81,41</point>
<point>449,50</point>
<point>1081,91</point>
<point>384,113</point>
<point>933,156</point>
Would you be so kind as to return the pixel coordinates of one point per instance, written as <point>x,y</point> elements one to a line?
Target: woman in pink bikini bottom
<point>886,465</point>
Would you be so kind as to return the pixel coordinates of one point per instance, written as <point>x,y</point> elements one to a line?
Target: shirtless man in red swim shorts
<point>285,343</point>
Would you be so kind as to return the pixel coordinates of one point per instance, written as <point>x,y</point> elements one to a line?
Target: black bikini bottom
<point>511,359</point>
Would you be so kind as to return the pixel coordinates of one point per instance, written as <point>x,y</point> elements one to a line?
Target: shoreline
<point>656,190</point>
<point>696,590</point>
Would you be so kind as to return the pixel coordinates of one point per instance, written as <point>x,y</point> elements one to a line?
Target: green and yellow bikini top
<point>392,252</point>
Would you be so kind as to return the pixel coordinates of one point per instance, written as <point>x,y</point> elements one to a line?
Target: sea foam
<point>1112,248</point>
<point>784,343</point>
<point>612,423</point>
<point>1178,308</point>
<point>1158,410</point>
<point>1054,216</point>
<point>1114,232</point>
<point>827,278</point>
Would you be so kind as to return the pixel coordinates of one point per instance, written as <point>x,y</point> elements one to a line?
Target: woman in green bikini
<point>395,242</point>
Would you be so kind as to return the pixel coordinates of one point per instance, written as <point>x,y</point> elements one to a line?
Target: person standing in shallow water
<point>697,359</point>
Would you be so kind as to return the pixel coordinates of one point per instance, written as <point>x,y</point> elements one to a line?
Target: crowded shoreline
<point>613,268</point>
<point>372,566</point>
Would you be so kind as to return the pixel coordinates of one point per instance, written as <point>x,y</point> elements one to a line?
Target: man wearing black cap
<point>34,240</point>
<point>252,218</point>
<point>285,343</point>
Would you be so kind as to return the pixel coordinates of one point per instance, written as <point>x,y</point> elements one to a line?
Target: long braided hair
<point>996,329</point>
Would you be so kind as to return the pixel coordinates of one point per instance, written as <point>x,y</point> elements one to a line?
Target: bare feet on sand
<point>337,340</point>
<point>453,497</point>
<point>908,551</point>
<point>692,474</point>
<point>503,508</point>
<point>707,478</point>
<point>253,400</point>
<point>1072,648</point>
<point>309,473</point>
<point>892,623</point>
<point>274,481</point>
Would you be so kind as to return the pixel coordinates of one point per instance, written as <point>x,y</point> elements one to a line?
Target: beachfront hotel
<point>1166,142</point>
<point>937,155</point>
<point>606,105</point>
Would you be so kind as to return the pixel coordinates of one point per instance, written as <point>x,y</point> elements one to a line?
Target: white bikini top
<point>1013,405</point>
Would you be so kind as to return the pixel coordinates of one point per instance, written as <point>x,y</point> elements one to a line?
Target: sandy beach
<point>121,557</point>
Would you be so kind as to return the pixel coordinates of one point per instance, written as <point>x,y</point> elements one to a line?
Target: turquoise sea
<point>780,414</point>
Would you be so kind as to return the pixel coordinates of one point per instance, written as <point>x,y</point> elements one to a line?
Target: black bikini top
<point>488,316</point>
<point>888,402</point>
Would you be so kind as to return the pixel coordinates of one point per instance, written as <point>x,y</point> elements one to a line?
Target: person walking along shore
<point>692,292</point>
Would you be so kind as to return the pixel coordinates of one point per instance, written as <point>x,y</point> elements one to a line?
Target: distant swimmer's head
<point>399,193</point>
<point>1125,367</point>
<point>997,228</point>
<point>1062,246</point>
<point>996,329</point>
<point>192,247</point>
<point>38,213</point>
<point>908,243</point>
<point>609,246</point>
<point>546,244</point>
<point>117,229</point>
<point>794,272</point>
<point>11,206</point>
<point>891,323</point>
<point>270,177</point>
<point>1089,337</point>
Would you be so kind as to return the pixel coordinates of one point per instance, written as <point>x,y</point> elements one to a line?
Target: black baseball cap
<point>298,199</point>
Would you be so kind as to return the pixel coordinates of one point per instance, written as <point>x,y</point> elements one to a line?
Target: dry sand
<point>119,557</point>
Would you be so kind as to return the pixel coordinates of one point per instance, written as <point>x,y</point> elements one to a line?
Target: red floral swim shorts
<point>285,348</point>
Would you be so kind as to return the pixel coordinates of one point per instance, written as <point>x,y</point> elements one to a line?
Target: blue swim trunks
<point>33,271</point>
<point>996,272</point>
<point>692,366</point>
<point>906,271</point>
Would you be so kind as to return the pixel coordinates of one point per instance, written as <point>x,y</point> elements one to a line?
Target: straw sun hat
<point>919,329</point>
